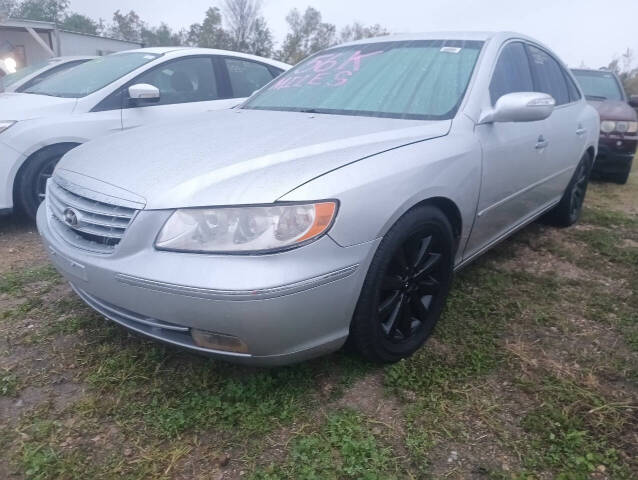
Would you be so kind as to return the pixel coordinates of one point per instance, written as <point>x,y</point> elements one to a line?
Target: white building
<point>30,42</point>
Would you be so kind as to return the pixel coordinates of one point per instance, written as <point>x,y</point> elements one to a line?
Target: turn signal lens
<point>218,341</point>
<point>633,127</point>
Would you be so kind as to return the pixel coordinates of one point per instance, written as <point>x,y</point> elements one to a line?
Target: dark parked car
<point>618,123</point>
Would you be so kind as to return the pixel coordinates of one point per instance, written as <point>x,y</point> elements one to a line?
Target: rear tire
<point>406,287</point>
<point>570,207</point>
<point>621,178</point>
<point>31,185</point>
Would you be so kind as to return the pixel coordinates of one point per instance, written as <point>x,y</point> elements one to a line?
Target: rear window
<point>599,85</point>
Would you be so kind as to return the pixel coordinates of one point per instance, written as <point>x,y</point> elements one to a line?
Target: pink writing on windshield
<point>331,70</point>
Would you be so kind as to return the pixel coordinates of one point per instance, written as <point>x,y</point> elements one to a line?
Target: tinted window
<point>548,75</point>
<point>512,72</point>
<point>599,84</point>
<point>246,76</point>
<point>424,79</point>
<point>183,81</point>
<point>574,94</point>
<point>91,76</point>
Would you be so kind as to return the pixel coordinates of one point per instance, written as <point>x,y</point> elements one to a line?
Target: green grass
<point>9,384</point>
<point>15,281</point>
<point>343,448</point>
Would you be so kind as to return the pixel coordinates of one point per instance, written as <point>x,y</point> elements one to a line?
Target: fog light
<point>217,341</point>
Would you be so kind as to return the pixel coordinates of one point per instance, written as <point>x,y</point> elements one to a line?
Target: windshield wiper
<point>307,110</point>
<point>595,97</point>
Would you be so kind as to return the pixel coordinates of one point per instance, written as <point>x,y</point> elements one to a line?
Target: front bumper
<point>615,153</point>
<point>10,162</point>
<point>285,307</point>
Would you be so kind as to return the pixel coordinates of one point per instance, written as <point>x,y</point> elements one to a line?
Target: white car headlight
<point>607,126</point>
<point>250,229</point>
<point>4,124</point>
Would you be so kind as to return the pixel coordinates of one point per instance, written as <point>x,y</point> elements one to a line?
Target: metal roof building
<point>30,42</point>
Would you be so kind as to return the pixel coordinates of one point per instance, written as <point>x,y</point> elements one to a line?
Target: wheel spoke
<point>431,262</point>
<point>421,310</point>
<point>404,325</point>
<point>388,305</point>
<point>391,325</point>
<point>421,255</point>
<point>428,285</point>
<point>402,259</point>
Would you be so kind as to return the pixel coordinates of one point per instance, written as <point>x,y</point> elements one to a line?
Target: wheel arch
<point>450,209</point>
<point>20,172</point>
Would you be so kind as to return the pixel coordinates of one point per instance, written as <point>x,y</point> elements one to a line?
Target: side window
<point>574,94</point>
<point>512,72</point>
<point>548,75</point>
<point>246,76</point>
<point>183,81</point>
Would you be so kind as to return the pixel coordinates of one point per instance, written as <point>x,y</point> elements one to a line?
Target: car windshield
<point>91,76</point>
<point>599,85</point>
<point>422,79</point>
<point>23,73</point>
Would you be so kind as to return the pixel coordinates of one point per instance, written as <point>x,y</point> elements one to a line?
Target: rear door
<point>565,131</point>
<point>187,85</point>
<point>513,157</point>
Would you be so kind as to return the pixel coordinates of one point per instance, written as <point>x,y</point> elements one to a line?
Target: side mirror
<point>633,101</point>
<point>520,107</point>
<point>143,92</point>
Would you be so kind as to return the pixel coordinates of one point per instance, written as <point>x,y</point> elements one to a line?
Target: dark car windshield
<point>422,79</point>
<point>91,76</point>
<point>599,84</point>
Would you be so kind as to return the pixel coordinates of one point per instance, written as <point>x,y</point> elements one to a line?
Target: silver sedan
<point>335,203</point>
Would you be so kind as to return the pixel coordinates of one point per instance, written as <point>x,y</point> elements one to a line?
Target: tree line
<point>238,25</point>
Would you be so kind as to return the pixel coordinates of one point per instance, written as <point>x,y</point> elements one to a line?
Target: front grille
<point>86,223</point>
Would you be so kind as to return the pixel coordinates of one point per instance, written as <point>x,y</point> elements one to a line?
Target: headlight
<point>622,127</point>
<point>257,229</point>
<point>607,126</point>
<point>633,127</point>
<point>4,124</point>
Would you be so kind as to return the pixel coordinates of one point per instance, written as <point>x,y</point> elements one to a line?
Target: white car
<point>110,94</point>
<point>29,76</point>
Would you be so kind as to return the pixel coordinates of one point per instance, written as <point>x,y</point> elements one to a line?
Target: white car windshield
<point>91,76</point>
<point>22,73</point>
<point>422,79</point>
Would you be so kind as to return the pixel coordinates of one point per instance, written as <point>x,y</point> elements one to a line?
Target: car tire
<point>30,187</point>
<point>621,178</point>
<point>570,207</point>
<point>406,287</point>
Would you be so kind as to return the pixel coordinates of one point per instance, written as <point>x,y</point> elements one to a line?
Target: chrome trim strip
<point>538,213</point>
<point>524,190</point>
<point>213,294</point>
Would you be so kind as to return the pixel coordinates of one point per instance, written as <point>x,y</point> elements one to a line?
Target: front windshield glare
<point>22,73</point>
<point>423,79</point>
<point>91,76</point>
<point>598,85</point>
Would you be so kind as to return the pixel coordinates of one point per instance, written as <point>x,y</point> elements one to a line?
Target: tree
<point>260,41</point>
<point>241,16</point>
<point>308,34</point>
<point>126,26</point>
<point>7,8</point>
<point>43,10</point>
<point>162,36</point>
<point>209,33</point>
<point>76,22</point>
<point>357,31</point>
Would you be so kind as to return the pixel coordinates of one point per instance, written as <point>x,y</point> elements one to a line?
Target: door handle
<point>581,131</point>
<point>541,143</point>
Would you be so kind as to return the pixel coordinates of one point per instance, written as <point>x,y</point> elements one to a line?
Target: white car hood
<point>25,106</point>
<point>233,157</point>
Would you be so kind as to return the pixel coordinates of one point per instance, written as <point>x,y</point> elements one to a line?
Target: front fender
<point>375,192</point>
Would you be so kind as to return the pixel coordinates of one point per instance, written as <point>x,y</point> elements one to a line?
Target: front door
<point>514,158</point>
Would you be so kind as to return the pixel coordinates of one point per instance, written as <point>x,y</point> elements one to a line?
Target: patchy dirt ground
<point>531,374</point>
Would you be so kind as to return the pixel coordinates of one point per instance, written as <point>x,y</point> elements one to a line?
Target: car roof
<point>468,35</point>
<point>181,51</point>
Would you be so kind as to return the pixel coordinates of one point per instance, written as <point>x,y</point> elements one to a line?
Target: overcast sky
<point>589,31</point>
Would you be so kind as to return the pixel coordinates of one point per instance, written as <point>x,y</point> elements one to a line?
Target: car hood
<point>233,156</point>
<point>25,106</point>
<point>614,110</point>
